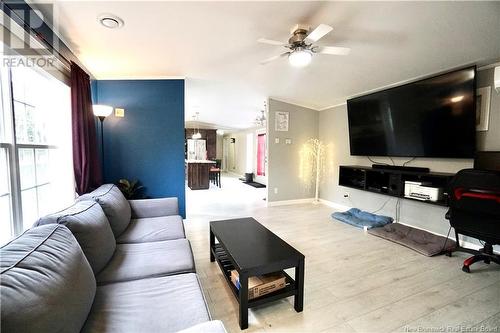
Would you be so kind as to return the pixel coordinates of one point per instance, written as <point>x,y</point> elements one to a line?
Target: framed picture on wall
<point>282,120</point>
<point>482,108</point>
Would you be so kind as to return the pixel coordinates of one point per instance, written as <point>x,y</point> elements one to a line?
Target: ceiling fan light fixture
<point>300,57</point>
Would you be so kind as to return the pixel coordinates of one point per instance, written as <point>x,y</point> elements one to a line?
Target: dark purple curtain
<point>86,163</point>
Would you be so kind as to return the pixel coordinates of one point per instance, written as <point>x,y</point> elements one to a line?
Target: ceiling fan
<point>301,46</point>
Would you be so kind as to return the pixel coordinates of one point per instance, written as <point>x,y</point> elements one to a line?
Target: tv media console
<point>392,181</point>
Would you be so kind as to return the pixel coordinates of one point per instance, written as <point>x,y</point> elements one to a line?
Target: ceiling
<point>213,45</point>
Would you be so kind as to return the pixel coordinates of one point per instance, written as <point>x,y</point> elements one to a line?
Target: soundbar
<point>400,168</point>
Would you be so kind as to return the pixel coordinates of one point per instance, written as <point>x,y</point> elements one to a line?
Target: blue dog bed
<point>361,219</point>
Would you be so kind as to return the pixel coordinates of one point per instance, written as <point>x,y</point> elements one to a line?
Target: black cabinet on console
<point>392,182</point>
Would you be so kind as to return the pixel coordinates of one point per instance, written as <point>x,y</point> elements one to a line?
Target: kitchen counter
<point>200,161</point>
<point>197,173</point>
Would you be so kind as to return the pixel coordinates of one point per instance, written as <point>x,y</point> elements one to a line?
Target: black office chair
<point>475,212</point>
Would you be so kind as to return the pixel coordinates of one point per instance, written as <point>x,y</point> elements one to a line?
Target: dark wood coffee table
<point>250,248</point>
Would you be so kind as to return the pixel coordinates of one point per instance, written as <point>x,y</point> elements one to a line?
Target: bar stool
<point>214,173</point>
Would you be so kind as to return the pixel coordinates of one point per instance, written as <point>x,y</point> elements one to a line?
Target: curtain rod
<point>44,33</point>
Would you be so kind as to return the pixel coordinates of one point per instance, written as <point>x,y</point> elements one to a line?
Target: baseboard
<point>463,242</point>
<point>334,205</point>
<point>290,202</point>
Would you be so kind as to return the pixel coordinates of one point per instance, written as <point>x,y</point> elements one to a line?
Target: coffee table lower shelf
<point>226,267</point>
<point>267,253</point>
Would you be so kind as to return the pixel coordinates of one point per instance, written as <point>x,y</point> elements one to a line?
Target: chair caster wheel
<point>487,261</point>
<point>466,269</point>
<point>448,254</point>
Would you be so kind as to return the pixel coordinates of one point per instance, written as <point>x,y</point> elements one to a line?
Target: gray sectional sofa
<point>104,264</point>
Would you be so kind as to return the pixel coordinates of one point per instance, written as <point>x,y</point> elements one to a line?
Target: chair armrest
<point>154,207</point>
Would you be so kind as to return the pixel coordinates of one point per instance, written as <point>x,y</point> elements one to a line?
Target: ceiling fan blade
<point>318,33</point>
<point>270,42</point>
<point>268,60</point>
<point>334,50</point>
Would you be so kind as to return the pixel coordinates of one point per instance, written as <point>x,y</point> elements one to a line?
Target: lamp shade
<point>300,58</point>
<point>102,110</point>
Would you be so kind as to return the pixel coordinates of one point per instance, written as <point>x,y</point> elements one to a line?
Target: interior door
<point>261,158</point>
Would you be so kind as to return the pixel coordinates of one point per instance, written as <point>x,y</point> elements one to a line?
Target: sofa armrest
<point>154,207</point>
<point>214,326</point>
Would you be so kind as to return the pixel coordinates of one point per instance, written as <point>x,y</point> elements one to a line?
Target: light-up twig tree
<point>312,158</point>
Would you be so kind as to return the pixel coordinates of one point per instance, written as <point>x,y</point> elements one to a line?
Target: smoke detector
<point>110,21</point>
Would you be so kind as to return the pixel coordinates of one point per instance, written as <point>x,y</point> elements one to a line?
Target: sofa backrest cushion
<point>47,284</point>
<point>91,228</point>
<point>114,204</point>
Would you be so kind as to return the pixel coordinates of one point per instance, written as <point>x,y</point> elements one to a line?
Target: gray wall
<point>284,160</point>
<point>333,131</point>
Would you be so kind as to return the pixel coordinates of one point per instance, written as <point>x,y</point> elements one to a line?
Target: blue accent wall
<point>148,143</point>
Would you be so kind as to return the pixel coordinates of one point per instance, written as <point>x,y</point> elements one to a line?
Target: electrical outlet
<point>288,141</point>
<point>275,190</point>
<point>276,140</point>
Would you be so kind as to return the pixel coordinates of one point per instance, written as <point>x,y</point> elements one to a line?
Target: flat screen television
<point>433,117</point>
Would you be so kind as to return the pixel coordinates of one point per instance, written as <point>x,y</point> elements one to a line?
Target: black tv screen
<point>433,117</point>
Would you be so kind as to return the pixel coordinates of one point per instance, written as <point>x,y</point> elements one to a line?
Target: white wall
<point>333,131</point>
<point>219,147</point>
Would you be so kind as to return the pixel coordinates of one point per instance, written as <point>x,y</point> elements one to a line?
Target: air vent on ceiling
<point>110,21</point>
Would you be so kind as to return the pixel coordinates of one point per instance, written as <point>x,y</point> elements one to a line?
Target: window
<point>36,174</point>
<point>5,198</point>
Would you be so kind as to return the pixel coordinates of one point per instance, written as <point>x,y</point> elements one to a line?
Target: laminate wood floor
<point>354,282</point>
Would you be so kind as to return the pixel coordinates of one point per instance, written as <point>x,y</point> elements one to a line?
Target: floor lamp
<point>101,112</point>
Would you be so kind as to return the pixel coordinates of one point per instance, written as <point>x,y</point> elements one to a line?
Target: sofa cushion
<point>160,304</point>
<point>153,229</point>
<point>47,284</point>
<point>143,260</point>
<point>89,225</point>
<point>154,207</point>
<point>114,204</point>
